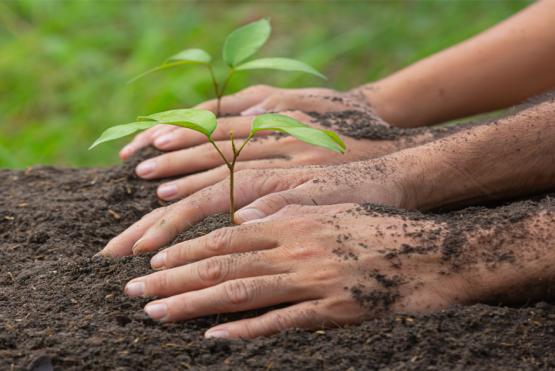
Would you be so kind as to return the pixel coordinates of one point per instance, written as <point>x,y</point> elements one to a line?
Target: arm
<point>509,157</point>
<point>498,68</point>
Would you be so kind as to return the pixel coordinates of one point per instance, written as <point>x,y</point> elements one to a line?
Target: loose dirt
<point>61,307</point>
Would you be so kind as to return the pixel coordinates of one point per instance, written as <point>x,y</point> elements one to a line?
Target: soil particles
<point>62,308</point>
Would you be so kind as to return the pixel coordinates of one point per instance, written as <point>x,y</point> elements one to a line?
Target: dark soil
<point>60,307</point>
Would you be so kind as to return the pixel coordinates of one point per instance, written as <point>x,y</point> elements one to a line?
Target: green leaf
<point>196,119</point>
<point>119,131</point>
<point>187,56</point>
<point>288,125</point>
<point>283,64</point>
<point>191,56</point>
<point>245,41</point>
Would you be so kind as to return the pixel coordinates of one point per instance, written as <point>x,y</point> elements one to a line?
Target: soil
<point>62,308</point>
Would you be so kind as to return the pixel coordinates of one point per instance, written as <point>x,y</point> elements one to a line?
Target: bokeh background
<point>64,64</point>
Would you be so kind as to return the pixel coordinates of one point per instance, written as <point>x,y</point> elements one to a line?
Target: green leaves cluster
<point>238,47</point>
<point>205,123</point>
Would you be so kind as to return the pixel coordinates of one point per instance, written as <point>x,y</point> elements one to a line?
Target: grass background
<point>64,64</point>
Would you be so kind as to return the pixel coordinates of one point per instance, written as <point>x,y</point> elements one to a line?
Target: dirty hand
<point>254,100</point>
<point>193,155</point>
<point>264,192</point>
<point>336,265</point>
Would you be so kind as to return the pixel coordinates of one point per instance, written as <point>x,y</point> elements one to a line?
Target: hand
<point>254,100</point>
<point>194,157</point>
<point>337,265</point>
<point>264,192</point>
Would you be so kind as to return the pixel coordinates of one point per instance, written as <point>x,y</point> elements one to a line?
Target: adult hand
<point>194,157</point>
<point>254,100</point>
<point>264,192</point>
<point>337,264</point>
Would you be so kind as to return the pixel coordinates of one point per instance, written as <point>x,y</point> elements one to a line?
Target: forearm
<point>512,156</point>
<point>498,68</point>
<point>512,257</point>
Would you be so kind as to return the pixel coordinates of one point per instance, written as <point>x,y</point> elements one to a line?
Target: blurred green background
<point>64,64</point>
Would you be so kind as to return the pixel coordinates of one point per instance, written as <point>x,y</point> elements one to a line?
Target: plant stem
<point>231,167</point>
<point>216,88</point>
<point>221,93</point>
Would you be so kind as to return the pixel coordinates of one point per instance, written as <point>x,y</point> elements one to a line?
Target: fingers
<point>204,157</point>
<point>307,315</point>
<point>144,139</point>
<point>121,244</point>
<point>222,241</point>
<point>205,273</point>
<point>193,183</point>
<point>249,185</point>
<point>301,100</point>
<point>185,138</point>
<point>231,296</point>
<point>274,202</point>
<point>235,103</point>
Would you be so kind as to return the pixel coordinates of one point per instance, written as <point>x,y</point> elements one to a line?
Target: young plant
<point>205,123</point>
<point>239,46</point>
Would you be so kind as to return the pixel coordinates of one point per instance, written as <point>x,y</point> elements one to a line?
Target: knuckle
<point>176,255</point>
<point>212,270</point>
<point>291,209</point>
<point>282,321</point>
<point>219,239</point>
<point>237,292</point>
<point>157,283</point>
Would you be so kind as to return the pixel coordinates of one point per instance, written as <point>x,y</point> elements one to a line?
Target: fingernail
<point>135,249</point>
<point>156,311</point>
<point>249,214</point>
<point>167,190</point>
<point>158,260</point>
<point>145,168</point>
<point>163,140</point>
<point>218,333</point>
<point>135,288</point>
<point>256,110</point>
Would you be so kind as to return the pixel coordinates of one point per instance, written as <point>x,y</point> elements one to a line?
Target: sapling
<point>238,47</point>
<point>205,123</point>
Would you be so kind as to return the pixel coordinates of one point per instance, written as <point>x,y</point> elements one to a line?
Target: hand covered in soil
<point>191,154</point>
<point>332,265</point>
<point>262,193</point>
<point>253,100</point>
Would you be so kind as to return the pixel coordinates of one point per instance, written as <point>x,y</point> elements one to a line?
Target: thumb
<point>271,204</point>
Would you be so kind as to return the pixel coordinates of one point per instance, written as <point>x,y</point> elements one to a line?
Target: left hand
<point>337,264</point>
<point>192,156</point>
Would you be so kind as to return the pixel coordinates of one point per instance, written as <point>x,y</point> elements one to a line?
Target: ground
<point>60,306</point>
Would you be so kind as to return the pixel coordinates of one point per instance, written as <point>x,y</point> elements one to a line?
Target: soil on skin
<point>61,307</point>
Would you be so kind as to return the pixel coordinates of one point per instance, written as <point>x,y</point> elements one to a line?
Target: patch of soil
<point>61,307</point>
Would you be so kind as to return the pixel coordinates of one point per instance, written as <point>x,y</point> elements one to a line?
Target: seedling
<point>205,123</point>
<point>239,46</point>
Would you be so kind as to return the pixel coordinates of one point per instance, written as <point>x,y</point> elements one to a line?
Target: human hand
<point>253,100</point>
<point>194,157</point>
<point>263,192</point>
<point>335,265</point>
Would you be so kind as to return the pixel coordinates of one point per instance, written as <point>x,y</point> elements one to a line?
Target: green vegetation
<point>238,47</point>
<point>205,122</point>
<point>65,64</point>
